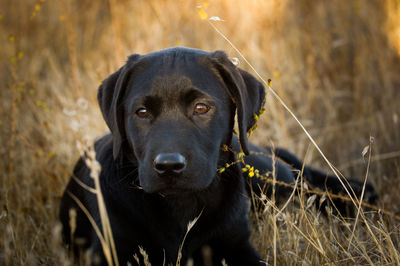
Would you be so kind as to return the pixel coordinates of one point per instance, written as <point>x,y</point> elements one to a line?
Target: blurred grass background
<point>335,63</point>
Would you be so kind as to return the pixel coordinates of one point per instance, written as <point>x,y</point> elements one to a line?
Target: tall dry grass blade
<point>93,223</point>
<point>95,169</point>
<point>145,256</point>
<point>303,211</point>
<point>307,238</point>
<point>189,227</point>
<point>362,194</point>
<point>83,185</point>
<point>361,212</point>
<point>287,109</point>
<point>274,210</point>
<point>291,194</point>
<point>395,252</point>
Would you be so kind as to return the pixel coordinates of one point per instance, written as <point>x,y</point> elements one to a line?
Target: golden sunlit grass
<point>335,64</point>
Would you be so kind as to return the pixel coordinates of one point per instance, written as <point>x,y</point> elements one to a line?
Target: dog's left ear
<point>109,96</point>
<point>246,92</point>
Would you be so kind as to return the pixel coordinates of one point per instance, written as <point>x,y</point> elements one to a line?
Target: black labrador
<point>171,115</point>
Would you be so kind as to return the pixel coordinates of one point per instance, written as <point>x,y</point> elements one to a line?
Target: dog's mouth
<point>173,188</point>
<point>169,185</point>
<point>175,192</point>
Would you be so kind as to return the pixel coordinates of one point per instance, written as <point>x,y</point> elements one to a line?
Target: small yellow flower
<point>202,14</point>
<point>240,155</point>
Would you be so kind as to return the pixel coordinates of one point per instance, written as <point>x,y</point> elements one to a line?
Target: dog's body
<point>171,115</point>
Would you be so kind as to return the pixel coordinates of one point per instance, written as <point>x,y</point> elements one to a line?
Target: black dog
<point>171,115</point>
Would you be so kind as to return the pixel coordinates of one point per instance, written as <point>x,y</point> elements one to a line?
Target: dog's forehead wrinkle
<point>177,90</point>
<point>165,85</point>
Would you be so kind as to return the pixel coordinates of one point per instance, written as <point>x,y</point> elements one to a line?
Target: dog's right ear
<point>109,96</point>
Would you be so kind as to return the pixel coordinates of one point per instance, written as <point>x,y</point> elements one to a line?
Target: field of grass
<point>336,64</point>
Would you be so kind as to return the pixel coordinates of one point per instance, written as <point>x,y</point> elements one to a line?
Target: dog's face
<point>176,124</point>
<point>175,109</point>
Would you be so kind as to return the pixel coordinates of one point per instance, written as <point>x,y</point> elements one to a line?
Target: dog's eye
<point>142,113</point>
<point>201,109</point>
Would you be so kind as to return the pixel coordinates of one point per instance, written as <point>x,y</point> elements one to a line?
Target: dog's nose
<point>169,162</point>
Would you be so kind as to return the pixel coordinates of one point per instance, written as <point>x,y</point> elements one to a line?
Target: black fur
<point>149,107</point>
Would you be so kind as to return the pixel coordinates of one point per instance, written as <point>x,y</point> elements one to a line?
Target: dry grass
<point>335,63</point>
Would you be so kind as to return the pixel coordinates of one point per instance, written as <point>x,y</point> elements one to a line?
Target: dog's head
<point>174,109</point>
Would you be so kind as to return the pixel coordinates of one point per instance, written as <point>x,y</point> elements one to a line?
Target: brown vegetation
<point>336,64</point>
